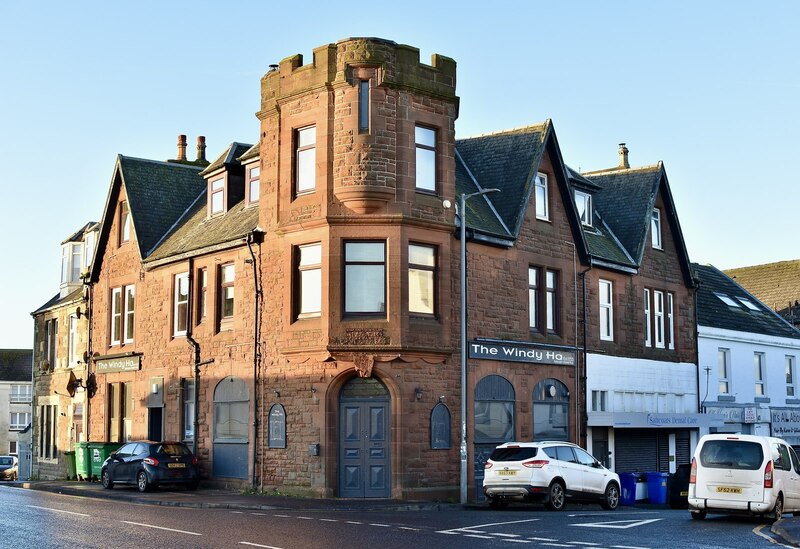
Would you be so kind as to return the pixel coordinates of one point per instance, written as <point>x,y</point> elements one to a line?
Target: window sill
<point>793,401</point>
<point>762,399</point>
<point>726,398</point>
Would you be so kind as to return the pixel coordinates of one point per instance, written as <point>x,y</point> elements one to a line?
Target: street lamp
<point>463,214</point>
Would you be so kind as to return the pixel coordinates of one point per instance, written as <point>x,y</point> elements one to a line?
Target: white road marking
<point>472,528</point>
<point>516,540</point>
<point>757,531</point>
<point>238,512</point>
<point>328,520</point>
<point>505,535</point>
<point>305,518</point>
<point>589,543</point>
<point>282,516</point>
<point>477,536</point>
<point>628,547</point>
<point>543,539</point>
<point>257,545</point>
<point>618,524</point>
<point>556,545</point>
<point>259,514</point>
<point>353,522</point>
<point>58,511</point>
<point>379,525</point>
<point>161,528</point>
<point>408,528</point>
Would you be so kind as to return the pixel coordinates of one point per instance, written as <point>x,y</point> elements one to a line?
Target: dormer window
<point>583,202</point>
<point>71,262</point>
<point>217,199</point>
<point>253,184</point>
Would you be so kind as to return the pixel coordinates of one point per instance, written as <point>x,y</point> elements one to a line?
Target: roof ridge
<point>506,131</point>
<point>161,162</point>
<point>773,263</point>
<point>656,166</point>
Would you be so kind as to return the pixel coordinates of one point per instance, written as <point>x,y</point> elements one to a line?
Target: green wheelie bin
<point>82,460</point>
<point>98,452</point>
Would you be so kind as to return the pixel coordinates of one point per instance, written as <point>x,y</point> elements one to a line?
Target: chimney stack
<point>201,148</point>
<point>181,148</point>
<point>623,156</point>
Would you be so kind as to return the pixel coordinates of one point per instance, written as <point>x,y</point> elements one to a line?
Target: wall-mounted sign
<point>786,422</point>
<point>511,352</point>
<point>749,415</point>
<point>118,364</point>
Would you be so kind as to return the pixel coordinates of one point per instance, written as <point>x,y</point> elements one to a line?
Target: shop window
<point>550,410</point>
<point>494,410</point>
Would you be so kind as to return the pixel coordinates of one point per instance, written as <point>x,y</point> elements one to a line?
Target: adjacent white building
<point>747,360</point>
<point>15,397</point>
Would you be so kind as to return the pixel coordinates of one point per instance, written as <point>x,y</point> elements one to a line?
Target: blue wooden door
<point>364,455</point>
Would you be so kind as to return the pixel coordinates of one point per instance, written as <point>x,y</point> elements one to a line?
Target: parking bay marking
<point>618,524</point>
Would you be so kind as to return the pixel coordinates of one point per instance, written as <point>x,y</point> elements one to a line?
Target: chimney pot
<point>181,147</point>
<point>623,156</point>
<point>201,148</point>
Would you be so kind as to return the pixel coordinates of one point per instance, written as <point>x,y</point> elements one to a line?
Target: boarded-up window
<point>440,427</point>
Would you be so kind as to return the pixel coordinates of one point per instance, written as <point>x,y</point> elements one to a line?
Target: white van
<point>744,474</point>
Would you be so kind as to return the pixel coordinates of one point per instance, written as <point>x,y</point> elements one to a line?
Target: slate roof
<point>16,364</point>
<point>230,156</point>
<point>158,194</point>
<point>195,231</point>
<point>776,284</point>
<point>715,313</point>
<point>250,153</point>
<point>56,300</point>
<point>504,160</point>
<point>626,202</point>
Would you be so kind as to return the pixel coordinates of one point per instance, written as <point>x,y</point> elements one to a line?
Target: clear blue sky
<point>711,88</point>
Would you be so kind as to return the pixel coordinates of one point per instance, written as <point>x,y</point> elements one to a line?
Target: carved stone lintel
<point>364,363</point>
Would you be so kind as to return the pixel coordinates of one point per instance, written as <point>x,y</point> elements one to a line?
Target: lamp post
<point>463,214</point>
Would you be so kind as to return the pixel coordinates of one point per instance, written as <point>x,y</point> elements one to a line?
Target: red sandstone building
<point>292,309</point>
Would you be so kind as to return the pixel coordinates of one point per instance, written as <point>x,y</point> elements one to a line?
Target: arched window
<point>440,427</point>
<point>494,410</point>
<point>550,410</point>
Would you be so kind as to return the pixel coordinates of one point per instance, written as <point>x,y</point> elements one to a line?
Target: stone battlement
<point>399,67</point>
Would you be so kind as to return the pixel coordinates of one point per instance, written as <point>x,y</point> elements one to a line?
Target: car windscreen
<point>173,450</point>
<point>6,461</point>
<point>513,454</point>
<point>732,454</point>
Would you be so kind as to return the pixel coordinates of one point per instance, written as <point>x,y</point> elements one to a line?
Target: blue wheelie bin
<point>657,487</point>
<point>628,481</point>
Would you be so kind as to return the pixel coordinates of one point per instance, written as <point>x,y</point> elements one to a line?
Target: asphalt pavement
<point>787,528</point>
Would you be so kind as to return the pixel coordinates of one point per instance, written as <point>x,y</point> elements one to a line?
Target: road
<point>41,519</point>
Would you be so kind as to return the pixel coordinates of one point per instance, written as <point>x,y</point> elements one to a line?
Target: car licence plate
<point>506,473</point>
<point>728,490</point>
<point>176,465</point>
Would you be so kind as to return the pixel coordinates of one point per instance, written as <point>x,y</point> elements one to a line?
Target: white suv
<point>547,472</point>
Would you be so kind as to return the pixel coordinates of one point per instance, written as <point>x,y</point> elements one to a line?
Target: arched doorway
<point>231,433</point>
<point>493,421</point>
<point>550,410</point>
<point>364,447</point>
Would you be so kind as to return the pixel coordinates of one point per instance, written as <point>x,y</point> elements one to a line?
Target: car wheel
<point>611,497</point>
<point>778,511</point>
<point>698,515</point>
<point>141,482</point>
<point>498,503</point>
<point>105,478</point>
<point>555,500</point>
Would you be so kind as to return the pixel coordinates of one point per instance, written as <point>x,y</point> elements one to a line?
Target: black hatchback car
<point>148,464</point>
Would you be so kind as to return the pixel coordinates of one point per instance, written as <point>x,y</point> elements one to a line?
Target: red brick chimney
<point>201,148</point>
<point>181,148</point>
<point>623,156</point>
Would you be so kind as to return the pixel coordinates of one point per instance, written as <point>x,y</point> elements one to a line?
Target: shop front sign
<point>515,352</point>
